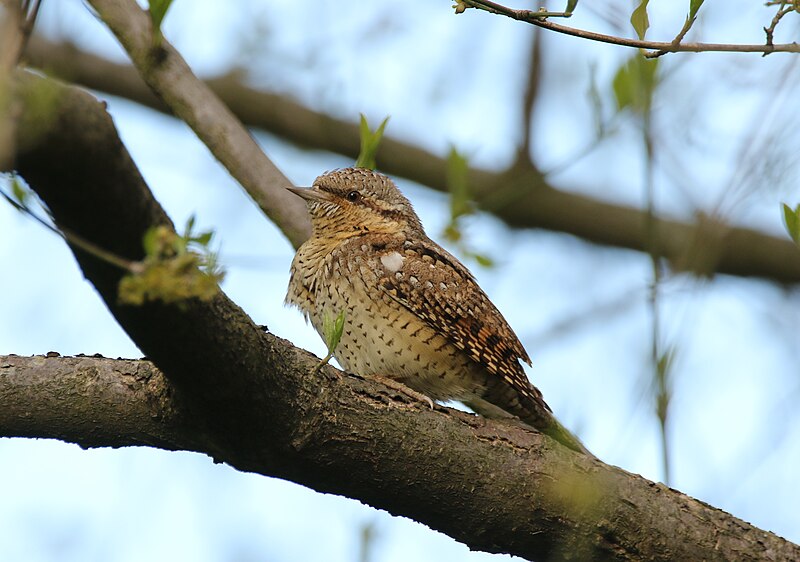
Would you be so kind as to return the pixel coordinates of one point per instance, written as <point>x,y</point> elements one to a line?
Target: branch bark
<point>564,507</point>
<point>168,75</point>
<point>523,199</point>
<point>250,399</point>
<point>93,402</point>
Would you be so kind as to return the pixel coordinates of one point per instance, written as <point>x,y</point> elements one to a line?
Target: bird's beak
<point>310,194</point>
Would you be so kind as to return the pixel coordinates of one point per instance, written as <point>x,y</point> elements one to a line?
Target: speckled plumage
<point>413,312</point>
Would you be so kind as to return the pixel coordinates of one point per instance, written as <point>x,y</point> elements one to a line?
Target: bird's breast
<point>380,335</point>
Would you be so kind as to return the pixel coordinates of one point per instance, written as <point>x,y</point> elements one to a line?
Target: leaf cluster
<point>175,268</point>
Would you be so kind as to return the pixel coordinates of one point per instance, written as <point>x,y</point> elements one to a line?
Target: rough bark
<point>495,487</point>
<point>93,402</point>
<point>250,398</point>
<point>521,197</point>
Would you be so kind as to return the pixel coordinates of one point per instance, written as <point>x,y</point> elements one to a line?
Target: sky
<point>445,80</point>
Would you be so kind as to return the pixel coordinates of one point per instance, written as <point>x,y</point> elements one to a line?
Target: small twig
<point>24,15</point>
<point>656,48</point>
<point>782,11</point>
<point>496,8</point>
<point>687,25</point>
<point>31,9</point>
<point>322,362</point>
<point>75,239</point>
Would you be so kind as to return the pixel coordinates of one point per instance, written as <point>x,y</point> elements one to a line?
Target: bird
<point>413,313</point>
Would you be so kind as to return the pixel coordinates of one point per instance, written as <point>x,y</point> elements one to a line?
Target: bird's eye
<point>353,196</point>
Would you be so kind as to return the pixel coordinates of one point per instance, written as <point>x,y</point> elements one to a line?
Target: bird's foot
<point>400,387</point>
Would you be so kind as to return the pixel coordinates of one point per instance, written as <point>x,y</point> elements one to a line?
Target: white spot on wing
<point>392,261</point>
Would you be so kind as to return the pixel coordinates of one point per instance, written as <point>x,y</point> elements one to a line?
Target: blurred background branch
<point>523,200</point>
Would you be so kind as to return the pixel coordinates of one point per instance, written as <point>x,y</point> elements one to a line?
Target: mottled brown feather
<point>447,297</point>
<point>414,313</point>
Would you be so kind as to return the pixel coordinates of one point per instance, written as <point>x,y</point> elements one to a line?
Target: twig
<point>652,234</point>
<point>782,11</point>
<point>656,48</point>
<point>687,25</point>
<point>76,240</point>
<point>322,362</point>
<point>31,9</point>
<point>23,18</point>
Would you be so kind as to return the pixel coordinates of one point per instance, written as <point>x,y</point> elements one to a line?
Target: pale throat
<point>343,228</point>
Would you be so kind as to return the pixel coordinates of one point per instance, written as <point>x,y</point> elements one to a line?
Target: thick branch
<point>94,402</point>
<point>532,201</point>
<point>251,399</point>
<point>561,507</point>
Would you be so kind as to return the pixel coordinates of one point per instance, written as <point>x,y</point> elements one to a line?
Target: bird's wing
<point>437,288</point>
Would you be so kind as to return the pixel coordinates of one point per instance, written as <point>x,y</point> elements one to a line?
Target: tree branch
<point>657,48</point>
<point>556,499</point>
<point>165,71</point>
<point>250,399</point>
<point>94,402</point>
<point>782,11</point>
<point>731,250</point>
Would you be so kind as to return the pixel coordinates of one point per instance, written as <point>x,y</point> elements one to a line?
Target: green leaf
<point>623,87</point>
<point>694,6</point>
<point>187,230</point>
<point>332,329</point>
<point>663,374</point>
<point>639,19</point>
<point>19,192</point>
<point>180,245</point>
<point>635,83</point>
<point>169,281</point>
<point>792,220</point>
<point>571,5</point>
<point>170,272</point>
<point>211,266</point>
<point>158,10</point>
<point>452,232</point>
<point>596,102</point>
<point>456,181</point>
<point>369,143</point>
<point>150,241</point>
<point>204,238</point>
<point>483,260</point>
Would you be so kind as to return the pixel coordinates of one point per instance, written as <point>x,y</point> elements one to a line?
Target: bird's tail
<point>564,436</point>
<point>533,412</point>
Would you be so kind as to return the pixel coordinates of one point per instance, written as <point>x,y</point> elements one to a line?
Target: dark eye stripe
<point>362,200</point>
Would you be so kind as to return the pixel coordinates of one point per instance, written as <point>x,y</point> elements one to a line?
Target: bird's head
<point>353,201</point>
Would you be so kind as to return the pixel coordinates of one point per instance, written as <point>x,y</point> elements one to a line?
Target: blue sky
<point>579,309</point>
